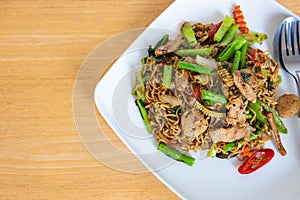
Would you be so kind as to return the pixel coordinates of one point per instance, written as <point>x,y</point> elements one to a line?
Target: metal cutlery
<point>287,48</point>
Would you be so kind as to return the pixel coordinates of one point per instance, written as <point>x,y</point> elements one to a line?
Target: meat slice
<point>193,124</point>
<point>183,90</point>
<point>288,105</point>
<point>225,91</point>
<point>181,80</point>
<point>170,100</point>
<point>231,133</point>
<point>236,112</point>
<point>278,142</point>
<point>247,82</point>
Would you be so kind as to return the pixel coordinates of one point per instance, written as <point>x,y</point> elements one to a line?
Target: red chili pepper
<point>213,31</point>
<point>196,92</point>
<point>258,159</point>
<point>253,54</point>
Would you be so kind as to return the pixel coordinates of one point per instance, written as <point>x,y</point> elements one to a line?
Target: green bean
<point>189,34</point>
<point>213,97</point>
<point>162,41</point>
<point>144,114</point>
<point>226,24</point>
<point>243,55</point>
<point>230,49</point>
<point>279,123</point>
<point>167,76</point>
<point>230,34</point>
<point>194,52</point>
<point>236,61</point>
<point>176,155</point>
<point>195,68</point>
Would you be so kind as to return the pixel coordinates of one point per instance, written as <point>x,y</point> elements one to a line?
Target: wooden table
<point>42,46</point>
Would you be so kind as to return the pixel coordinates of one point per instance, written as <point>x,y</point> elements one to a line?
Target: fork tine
<point>298,36</point>
<point>295,37</point>
<point>283,39</point>
<point>289,38</point>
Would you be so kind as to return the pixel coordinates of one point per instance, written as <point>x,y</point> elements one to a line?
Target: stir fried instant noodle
<point>209,89</point>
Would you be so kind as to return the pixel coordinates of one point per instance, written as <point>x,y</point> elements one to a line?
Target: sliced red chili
<point>253,53</point>
<point>258,159</point>
<point>196,92</point>
<point>213,31</point>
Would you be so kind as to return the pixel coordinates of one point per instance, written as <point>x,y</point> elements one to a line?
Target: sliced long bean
<point>195,68</point>
<point>194,52</point>
<point>162,41</point>
<point>189,34</point>
<point>226,24</point>
<point>243,55</point>
<point>173,153</point>
<point>230,35</point>
<point>167,76</point>
<point>144,114</point>
<point>236,61</point>
<point>230,49</point>
<point>213,97</point>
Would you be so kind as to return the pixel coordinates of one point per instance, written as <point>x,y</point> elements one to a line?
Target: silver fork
<point>290,48</point>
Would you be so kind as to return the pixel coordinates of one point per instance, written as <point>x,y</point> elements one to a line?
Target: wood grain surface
<point>42,46</point>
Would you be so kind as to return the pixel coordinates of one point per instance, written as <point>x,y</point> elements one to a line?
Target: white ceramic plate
<point>207,178</point>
